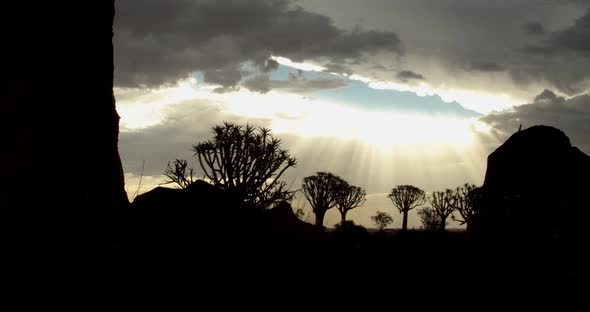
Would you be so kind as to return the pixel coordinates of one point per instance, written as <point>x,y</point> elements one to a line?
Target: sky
<point>381,93</point>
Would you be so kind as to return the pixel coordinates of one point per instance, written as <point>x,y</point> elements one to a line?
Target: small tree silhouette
<point>321,191</point>
<point>468,204</point>
<point>181,174</point>
<point>443,204</point>
<point>349,197</point>
<point>429,218</point>
<point>246,161</point>
<point>406,198</point>
<point>382,220</point>
<point>350,233</point>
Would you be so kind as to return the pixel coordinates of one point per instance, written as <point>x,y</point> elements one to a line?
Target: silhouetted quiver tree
<point>181,174</point>
<point>349,197</point>
<point>406,198</point>
<point>321,191</point>
<point>443,204</point>
<point>246,161</point>
<point>468,203</point>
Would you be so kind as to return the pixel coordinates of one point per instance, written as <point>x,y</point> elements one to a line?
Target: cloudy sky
<point>379,92</point>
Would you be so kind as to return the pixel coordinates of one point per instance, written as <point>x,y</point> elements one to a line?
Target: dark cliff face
<point>60,126</point>
<point>535,185</point>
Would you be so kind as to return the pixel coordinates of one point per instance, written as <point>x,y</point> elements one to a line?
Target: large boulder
<point>535,187</point>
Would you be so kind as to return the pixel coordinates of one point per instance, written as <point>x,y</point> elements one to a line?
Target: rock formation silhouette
<point>535,185</point>
<point>203,210</point>
<point>63,188</point>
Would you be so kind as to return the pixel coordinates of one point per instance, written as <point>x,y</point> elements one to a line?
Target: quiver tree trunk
<point>405,221</point>
<point>319,218</point>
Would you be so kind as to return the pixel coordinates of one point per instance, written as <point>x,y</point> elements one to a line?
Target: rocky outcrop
<point>284,222</point>
<point>535,187</point>
<point>199,210</point>
<point>203,210</point>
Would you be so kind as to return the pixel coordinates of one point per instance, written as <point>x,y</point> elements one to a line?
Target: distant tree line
<point>248,163</point>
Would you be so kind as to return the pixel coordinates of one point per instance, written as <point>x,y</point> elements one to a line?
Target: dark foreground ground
<point>413,268</point>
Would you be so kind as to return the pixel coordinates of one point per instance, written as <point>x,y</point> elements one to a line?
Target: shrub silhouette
<point>321,191</point>
<point>247,162</point>
<point>443,204</point>
<point>382,220</point>
<point>349,197</point>
<point>429,218</point>
<point>350,232</point>
<point>406,198</point>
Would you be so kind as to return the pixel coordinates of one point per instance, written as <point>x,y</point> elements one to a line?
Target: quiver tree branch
<point>247,162</point>
<point>349,197</point>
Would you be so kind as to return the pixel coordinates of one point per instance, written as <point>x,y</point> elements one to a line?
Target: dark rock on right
<point>536,188</point>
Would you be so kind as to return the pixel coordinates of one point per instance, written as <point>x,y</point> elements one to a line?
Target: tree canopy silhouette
<point>349,197</point>
<point>443,204</point>
<point>246,161</point>
<point>428,218</point>
<point>406,198</point>
<point>468,203</point>
<point>321,191</point>
<point>382,220</point>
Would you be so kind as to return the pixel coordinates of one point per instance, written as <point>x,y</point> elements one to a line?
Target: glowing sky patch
<point>478,101</point>
<point>357,111</point>
<point>302,66</point>
<point>141,108</point>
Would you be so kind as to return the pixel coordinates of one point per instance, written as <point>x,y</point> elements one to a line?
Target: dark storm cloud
<point>485,66</point>
<point>562,58</point>
<point>270,65</point>
<point>578,2</point>
<point>570,115</point>
<point>574,39</point>
<point>295,84</point>
<point>407,75</point>
<point>258,83</point>
<point>157,42</point>
<point>441,37</point>
<point>533,28</point>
